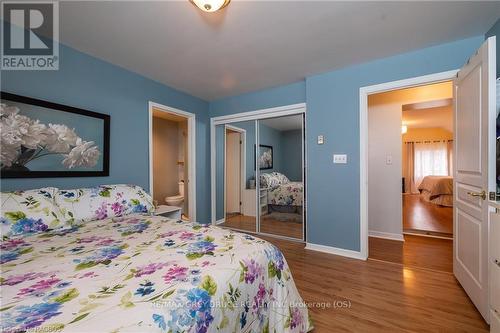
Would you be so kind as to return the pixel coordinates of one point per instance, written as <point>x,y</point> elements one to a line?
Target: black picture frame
<point>63,108</point>
<point>272,157</point>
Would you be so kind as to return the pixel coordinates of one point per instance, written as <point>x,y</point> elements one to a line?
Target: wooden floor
<point>382,297</point>
<point>267,225</point>
<point>420,216</point>
<point>415,251</point>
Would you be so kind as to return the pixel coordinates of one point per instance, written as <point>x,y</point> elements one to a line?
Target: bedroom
<point>411,131</point>
<point>311,58</point>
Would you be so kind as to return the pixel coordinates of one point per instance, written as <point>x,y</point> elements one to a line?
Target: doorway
<point>235,171</point>
<point>410,158</point>
<point>172,176</point>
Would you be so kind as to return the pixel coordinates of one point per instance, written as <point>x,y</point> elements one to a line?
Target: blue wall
<point>333,110</point>
<point>89,83</point>
<point>284,95</point>
<point>495,31</point>
<point>291,152</point>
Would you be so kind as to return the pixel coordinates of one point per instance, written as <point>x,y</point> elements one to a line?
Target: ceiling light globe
<point>210,6</point>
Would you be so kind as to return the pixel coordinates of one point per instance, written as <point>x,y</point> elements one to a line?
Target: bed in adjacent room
<point>136,272</point>
<point>437,190</point>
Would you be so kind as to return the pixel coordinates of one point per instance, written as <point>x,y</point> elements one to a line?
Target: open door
<point>474,175</point>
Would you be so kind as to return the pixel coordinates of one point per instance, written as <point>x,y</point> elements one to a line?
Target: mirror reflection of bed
<point>282,201</point>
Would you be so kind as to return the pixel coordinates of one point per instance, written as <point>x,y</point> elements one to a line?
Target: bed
<point>283,195</point>
<point>140,273</point>
<point>437,190</point>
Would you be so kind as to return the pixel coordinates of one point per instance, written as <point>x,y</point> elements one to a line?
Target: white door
<point>474,174</point>
<point>233,172</point>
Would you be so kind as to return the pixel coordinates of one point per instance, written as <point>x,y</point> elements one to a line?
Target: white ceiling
<point>286,123</point>
<point>441,117</point>
<point>252,45</point>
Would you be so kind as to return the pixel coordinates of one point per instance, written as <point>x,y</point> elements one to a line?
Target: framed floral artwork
<point>44,139</point>
<point>265,157</point>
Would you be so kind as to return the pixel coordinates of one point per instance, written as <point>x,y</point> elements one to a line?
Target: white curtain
<point>431,159</point>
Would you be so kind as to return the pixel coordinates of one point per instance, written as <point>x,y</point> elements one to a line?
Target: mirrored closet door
<point>235,176</point>
<point>281,182</point>
<point>258,182</point>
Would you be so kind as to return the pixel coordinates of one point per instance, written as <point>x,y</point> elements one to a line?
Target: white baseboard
<point>386,235</point>
<point>336,251</point>
<point>222,220</point>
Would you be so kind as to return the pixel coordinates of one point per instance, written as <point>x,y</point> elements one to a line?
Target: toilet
<point>176,200</point>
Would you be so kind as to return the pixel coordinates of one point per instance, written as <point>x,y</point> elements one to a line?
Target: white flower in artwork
<point>35,135</point>
<point>23,139</point>
<point>84,154</point>
<point>60,138</point>
<point>8,110</point>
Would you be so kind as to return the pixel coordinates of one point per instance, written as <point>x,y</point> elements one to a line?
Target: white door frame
<point>191,119</point>
<point>363,138</point>
<point>279,111</point>
<point>243,160</point>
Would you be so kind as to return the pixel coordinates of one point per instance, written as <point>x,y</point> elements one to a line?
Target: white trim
<point>336,251</point>
<point>363,138</point>
<point>222,220</point>
<point>191,119</point>
<point>245,116</point>
<point>261,114</point>
<point>386,235</point>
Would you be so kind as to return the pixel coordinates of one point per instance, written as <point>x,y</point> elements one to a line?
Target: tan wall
<point>165,154</point>
<point>426,134</point>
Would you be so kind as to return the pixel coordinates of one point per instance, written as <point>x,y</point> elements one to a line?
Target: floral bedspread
<point>289,194</point>
<point>142,273</point>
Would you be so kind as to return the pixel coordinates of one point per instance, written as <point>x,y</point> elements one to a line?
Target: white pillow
<point>31,211</point>
<point>105,201</point>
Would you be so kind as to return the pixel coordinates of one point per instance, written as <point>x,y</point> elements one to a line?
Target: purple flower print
<point>89,239</point>
<point>118,208</point>
<point>102,212</point>
<point>295,317</point>
<point>176,273</point>
<point>168,234</point>
<point>88,274</point>
<point>12,280</point>
<point>251,270</point>
<point>258,300</point>
<point>149,269</point>
<point>105,242</point>
<point>39,287</point>
<point>12,244</point>
<point>186,235</point>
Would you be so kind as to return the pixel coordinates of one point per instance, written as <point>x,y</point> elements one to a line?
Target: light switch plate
<point>339,158</point>
<point>321,139</point>
<point>388,159</point>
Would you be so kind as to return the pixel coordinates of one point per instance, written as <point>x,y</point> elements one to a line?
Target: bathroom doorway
<point>172,159</point>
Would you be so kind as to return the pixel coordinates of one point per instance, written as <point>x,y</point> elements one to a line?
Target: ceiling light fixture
<point>210,6</point>
<point>404,129</point>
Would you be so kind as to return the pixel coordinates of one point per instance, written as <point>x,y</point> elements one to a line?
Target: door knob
<point>482,194</point>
